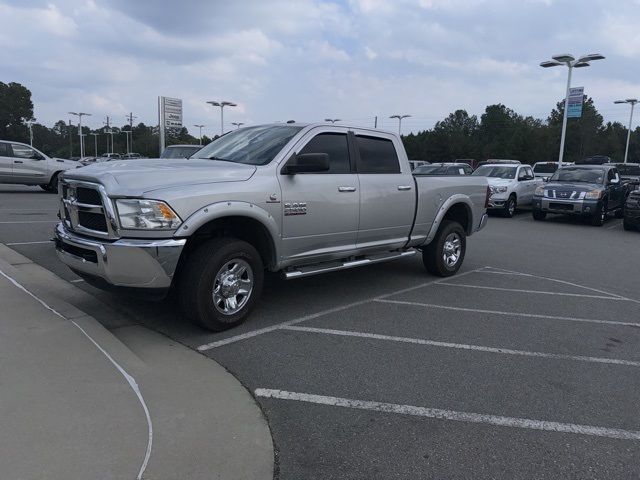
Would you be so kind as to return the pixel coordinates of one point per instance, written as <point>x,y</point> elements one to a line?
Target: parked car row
<point>592,188</point>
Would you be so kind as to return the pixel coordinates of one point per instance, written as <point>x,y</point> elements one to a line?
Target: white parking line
<point>26,243</point>
<point>453,415</point>
<point>486,287</point>
<point>616,225</point>
<point>563,282</point>
<point>261,331</point>
<point>77,280</point>
<point>463,346</point>
<point>511,314</point>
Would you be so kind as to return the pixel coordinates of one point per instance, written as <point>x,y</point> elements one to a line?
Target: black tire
<point>52,187</point>
<point>510,206</point>
<point>600,215</point>
<point>197,280</point>
<point>627,225</point>
<point>45,187</point>
<point>434,253</point>
<point>539,215</point>
<point>620,213</point>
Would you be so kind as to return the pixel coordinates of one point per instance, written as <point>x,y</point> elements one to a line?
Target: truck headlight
<point>498,189</point>
<point>139,214</point>
<point>593,195</point>
<point>539,191</point>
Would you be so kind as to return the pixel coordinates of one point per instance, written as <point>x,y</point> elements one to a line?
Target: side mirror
<point>307,163</point>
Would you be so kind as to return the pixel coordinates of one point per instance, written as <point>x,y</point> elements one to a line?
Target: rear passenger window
<point>4,150</point>
<point>336,146</point>
<point>377,155</point>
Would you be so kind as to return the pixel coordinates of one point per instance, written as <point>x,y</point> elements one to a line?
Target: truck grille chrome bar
<point>86,209</point>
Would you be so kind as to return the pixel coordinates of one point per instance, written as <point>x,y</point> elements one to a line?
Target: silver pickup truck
<point>295,198</point>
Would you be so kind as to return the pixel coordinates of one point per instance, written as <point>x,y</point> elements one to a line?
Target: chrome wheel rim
<point>232,286</point>
<point>452,249</point>
<point>512,207</point>
<point>603,215</point>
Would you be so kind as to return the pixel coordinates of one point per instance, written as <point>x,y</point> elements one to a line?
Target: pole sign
<point>575,102</point>
<point>169,116</point>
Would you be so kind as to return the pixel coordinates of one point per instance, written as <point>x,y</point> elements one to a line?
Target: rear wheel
<point>445,254</point>
<point>539,215</point>
<point>510,206</point>
<point>220,283</point>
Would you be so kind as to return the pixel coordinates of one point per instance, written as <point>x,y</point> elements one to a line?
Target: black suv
<point>632,211</point>
<point>589,190</point>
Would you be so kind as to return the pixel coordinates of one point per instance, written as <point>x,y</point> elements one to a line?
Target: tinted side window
<point>377,155</point>
<point>336,146</point>
<point>22,151</point>
<point>612,174</point>
<point>4,150</point>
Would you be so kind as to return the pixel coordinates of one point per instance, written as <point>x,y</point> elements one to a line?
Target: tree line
<point>500,132</point>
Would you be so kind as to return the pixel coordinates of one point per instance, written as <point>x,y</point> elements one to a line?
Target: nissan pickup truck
<point>297,199</point>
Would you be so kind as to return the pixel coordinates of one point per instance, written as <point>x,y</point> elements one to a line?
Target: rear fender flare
<point>444,208</point>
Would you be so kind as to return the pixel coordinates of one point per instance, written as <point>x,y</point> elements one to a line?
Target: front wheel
<point>600,215</point>
<point>627,225</point>
<point>510,207</point>
<point>539,215</point>
<point>220,283</point>
<point>445,254</point>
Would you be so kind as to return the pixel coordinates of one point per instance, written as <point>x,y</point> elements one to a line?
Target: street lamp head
<point>581,64</point>
<point>215,104</point>
<point>632,100</point>
<point>73,113</point>
<point>590,57</point>
<point>564,58</point>
<point>229,104</point>
<point>550,63</point>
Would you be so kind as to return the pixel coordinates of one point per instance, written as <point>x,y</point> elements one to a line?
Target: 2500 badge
<point>295,208</point>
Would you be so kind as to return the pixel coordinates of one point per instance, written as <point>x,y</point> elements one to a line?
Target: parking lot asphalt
<point>525,365</point>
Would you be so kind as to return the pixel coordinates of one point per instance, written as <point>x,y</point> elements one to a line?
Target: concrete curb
<point>205,423</point>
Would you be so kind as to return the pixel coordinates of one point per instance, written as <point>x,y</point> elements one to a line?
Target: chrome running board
<point>309,270</point>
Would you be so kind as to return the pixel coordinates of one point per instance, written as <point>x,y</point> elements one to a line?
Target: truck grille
<point>85,209</point>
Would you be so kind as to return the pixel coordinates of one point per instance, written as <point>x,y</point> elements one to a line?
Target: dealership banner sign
<point>574,109</point>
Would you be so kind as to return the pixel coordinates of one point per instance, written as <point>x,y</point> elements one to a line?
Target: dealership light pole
<point>222,105</point>
<point>332,120</point>
<point>30,123</point>
<point>570,62</point>
<point>80,115</point>
<point>633,102</point>
<point>110,132</point>
<point>130,118</point>
<point>70,139</point>
<point>127,133</point>
<point>95,143</point>
<point>237,124</point>
<point>200,127</point>
<point>399,117</point>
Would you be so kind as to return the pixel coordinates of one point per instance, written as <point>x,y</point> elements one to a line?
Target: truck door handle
<point>404,187</point>
<point>17,161</point>
<point>346,189</point>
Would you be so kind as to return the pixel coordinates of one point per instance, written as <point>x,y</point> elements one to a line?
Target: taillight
<point>486,199</point>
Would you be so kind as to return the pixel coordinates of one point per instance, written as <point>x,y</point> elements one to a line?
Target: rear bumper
<point>566,207</point>
<point>138,264</point>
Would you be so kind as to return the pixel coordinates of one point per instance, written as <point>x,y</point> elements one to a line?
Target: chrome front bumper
<point>148,264</point>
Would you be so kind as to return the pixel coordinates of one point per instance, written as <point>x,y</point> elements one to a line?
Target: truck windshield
<point>545,167</point>
<point>496,172</point>
<point>252,145</point>
<point>582,175</point>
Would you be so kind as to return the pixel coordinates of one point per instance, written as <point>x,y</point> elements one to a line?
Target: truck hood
<point>573,187</point>
<point>135,177</point>
<point>499,182</point>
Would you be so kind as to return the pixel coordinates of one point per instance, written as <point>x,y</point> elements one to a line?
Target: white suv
<point>25,165</point>
<point>511,186</point>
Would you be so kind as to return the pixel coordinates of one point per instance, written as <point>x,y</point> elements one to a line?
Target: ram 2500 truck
<point>294,198</point>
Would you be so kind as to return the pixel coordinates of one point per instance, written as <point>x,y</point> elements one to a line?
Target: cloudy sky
<point>311,59</point>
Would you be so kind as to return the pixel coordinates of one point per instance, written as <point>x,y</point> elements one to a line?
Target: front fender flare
<point>215,211</point>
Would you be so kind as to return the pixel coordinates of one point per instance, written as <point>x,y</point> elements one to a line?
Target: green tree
<point>16,108</point>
